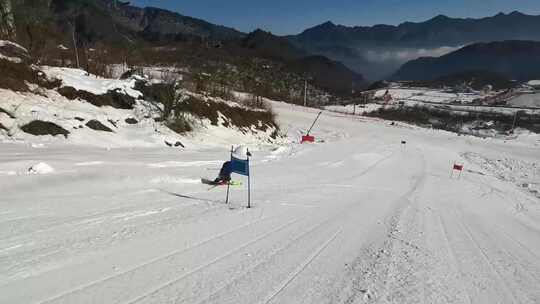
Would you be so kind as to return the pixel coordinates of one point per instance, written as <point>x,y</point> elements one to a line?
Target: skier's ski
<point>213,183</point>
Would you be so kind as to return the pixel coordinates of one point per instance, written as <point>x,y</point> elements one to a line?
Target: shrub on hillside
<point>180,125</point>
<point>16,75</point>
<point>452,121</point>
<point>98,126</point>
<point>236,116</point>
<point>40,128</point>
<point>175,104</point>
<point>131,121</point>
<point>166,94</point>
<point>112,98</point>
<point>477,80</point>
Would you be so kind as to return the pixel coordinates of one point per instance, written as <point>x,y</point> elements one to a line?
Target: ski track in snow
<point>354,219</point>
<point>130,272</point>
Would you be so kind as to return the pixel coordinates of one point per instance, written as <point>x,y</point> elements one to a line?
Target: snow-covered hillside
<point>526,100</point>
<point>428,95</point>
<point>123,126</point>
<point>356,218</point>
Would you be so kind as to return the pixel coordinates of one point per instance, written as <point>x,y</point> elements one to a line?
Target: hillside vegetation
<point>95,34</point>
<point>89,109</point>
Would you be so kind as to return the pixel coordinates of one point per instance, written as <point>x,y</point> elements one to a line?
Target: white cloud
<point>404,55</point>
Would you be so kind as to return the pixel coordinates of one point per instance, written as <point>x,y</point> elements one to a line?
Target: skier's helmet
<point>241,152</point>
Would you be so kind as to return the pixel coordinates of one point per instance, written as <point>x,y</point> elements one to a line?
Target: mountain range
<point>156,36</point>
<point>335,57</point>
<point>373,52</point>
<point>519,60</point>
<point>378,51</point>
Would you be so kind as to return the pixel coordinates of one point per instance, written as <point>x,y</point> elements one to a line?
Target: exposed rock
<point>176,144</point>
<point>13,52</point>
<point>40,128</point>
<point>131,121</point>
<point>41,168</point>
<point>114,99</point>
<point>112,122</point>
<point>128,74</point>
<point>15,75</point>
<point>98,126</point>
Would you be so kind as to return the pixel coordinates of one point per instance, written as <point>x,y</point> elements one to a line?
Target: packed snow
<point>72,115</point>
<point>41,168</point>
<point>526,100</point>
<point>354,109</point>
<point>534,83</point>
<point>428,95</point>
<point>82,80</point>
<point>355,218</point>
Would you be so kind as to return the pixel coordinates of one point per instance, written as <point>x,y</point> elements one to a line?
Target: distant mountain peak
<point>514,59</point>
<point>328,24</point>
<point>516,13</point>
<point>440,17</point>
<point>379,50</point>
<point>259,31</point>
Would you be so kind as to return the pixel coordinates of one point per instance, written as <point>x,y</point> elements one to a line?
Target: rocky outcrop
<point>41,128</point>
<point>13,52</point>
<point>16,71</point>
<point>98,126</point>
<point>115,99</point>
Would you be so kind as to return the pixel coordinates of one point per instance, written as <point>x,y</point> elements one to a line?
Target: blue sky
<point>293,16</point>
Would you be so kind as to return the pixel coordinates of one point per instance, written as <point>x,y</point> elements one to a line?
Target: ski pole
<point>309,131</point>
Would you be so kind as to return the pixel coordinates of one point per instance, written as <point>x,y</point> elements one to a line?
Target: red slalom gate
<point>457,167</point>
<point>308,139</point>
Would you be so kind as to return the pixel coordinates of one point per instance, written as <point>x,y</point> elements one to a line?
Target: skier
<point>224,174</point>
<point>224,177</point>
<point>226,170</point>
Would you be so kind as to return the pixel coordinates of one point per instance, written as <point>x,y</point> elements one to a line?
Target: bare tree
<point>32,21</point>
<point>74,39</point>
<point>7,24</point>
<point>172,96</point>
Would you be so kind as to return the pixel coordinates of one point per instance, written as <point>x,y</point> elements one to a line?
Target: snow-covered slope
<point>130,127</point>
<point>526,100</point>
<point>356,218</point>
<point>82,80</point>
<point>428,95</point>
